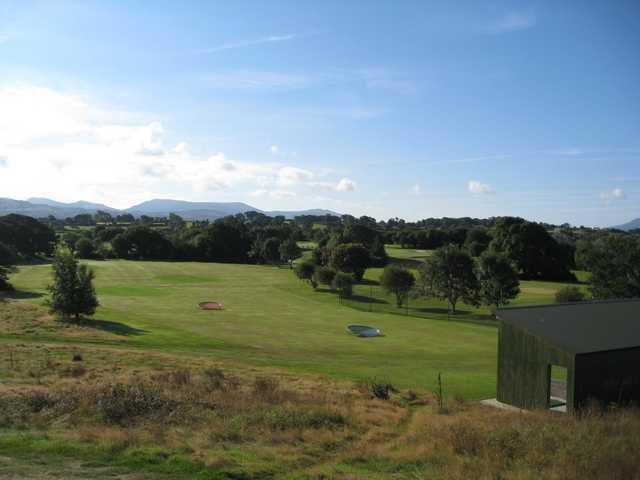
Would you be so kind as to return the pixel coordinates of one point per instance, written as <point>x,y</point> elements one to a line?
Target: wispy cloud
<point>250,43</point>
<point>615,194</point>
<point>255,80</point>
<point>511,22</point>
<point>481,188</point>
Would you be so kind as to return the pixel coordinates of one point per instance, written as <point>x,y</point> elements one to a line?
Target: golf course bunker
<point>210,305</point>
<point>363,331</point>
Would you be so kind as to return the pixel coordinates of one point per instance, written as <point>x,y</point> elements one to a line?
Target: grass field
<point>272,319</point>
<point>271,387</point>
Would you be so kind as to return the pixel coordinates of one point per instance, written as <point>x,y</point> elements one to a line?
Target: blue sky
<point>399,108</point>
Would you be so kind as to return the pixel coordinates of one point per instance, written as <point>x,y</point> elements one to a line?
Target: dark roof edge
<point>496,311</point>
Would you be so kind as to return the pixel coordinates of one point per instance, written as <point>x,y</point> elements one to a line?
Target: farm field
<point>271,319</point>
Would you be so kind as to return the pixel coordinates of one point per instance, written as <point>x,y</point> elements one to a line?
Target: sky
<point>401,108</point>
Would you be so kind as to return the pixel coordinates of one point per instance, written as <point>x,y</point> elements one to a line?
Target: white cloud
<point>274,149</point>
<point>615,194</point>
<point>512,22</point>
<point>293,176</point>
<point>479,188</point>
<point>346,185</point>
<point>68,149</point>
<point>180,148</point>
<point>250,43</point>
<point>415,190</point>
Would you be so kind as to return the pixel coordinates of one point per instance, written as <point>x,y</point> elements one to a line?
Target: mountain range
<point>43,207</point>
<point>632,225</point>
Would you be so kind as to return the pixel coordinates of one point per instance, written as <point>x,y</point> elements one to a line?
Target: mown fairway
<point>273,319</point>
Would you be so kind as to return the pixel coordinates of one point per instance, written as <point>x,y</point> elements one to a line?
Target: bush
<point>569,294</point>
<point>306,271</point>
<point>379,388</point>
<point>120,402</point>
<point>325,276</point>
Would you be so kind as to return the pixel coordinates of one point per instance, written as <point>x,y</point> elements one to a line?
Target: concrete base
<point>494,403</point>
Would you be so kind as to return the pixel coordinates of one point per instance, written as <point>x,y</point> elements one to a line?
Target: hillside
<point>43,207</point>
<point>632,225</point>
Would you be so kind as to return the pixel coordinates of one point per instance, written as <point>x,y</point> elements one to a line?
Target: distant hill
<point>632,225</point>
<point>81,204</point>
<point>43,207</point>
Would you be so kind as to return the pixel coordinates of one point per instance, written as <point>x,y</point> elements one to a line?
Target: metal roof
<point>581,327</point>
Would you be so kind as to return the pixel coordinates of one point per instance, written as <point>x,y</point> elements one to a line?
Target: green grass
<point>271,319</point>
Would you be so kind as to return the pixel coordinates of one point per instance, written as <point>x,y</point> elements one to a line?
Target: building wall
<point>523,368</point>
<point>608,377</point>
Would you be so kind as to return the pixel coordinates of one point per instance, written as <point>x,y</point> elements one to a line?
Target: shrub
<point>379,388</point>
<point>214,379</point>
<point>306,271</point>
<point>121,402</point>
<point>569,294</point>
<point>325,275</point>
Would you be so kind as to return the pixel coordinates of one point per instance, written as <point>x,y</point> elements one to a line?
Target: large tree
<point>306,271</point>
<point>614,263</point>
<point>26,235</point>
<point>498,279</point>
<point>449,274</point>
<point>398,281</point>
<point>289,251</point>
<point>535,253</point>
<point>72,292</point>
<point>351,258</point>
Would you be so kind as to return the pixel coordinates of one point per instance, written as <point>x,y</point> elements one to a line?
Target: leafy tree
<point>614,263</point>
<point>477,241</point>
<point>449,274</point>
<point>27,236</point>
<point>83,220</point>
<point>103,217</point>
<point>289,251</point>
<point>343,284</point>
<point>306,271</point>
<point>498,279</point>
<point>7,266</point>
<point>536,254</point>
<point>226,240</point>
<point>176,222</point>
<point>325,275</point>
<point>142,243</point>
<point>271,250</point>
<point>351,258</point>
<point>569,294</point>
<point>72,292</point>
<point>85,248</point>
<point>379,256</point>
<point>399,281</point>
<point>125,218</point>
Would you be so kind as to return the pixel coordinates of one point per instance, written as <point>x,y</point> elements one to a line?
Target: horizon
<point>414,110</point>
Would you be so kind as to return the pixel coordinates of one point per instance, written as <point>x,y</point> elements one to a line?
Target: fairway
<point>271,319</point>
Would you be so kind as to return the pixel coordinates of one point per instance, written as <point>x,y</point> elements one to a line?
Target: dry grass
<point>261,425</point>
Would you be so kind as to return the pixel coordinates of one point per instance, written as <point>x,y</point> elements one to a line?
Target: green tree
<point>498,279</point>
<point>306,271</point>
<point>325,276</point>
<point>271,250</point>
<point>449,274</point>
<point>534,252</point>
<point>351,258</point>
<point>343,284</point>
<point>85,248</point>
<point>175,222</point>
<point>379,256</point>
<point>399,281</point>
<point>289,251</point>
<point>103,217</point>
<point>72,292</point>
<point>7,266</point>
<point>614,263</point>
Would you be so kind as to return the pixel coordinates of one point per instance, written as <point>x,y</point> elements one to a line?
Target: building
<point>598,343</point>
